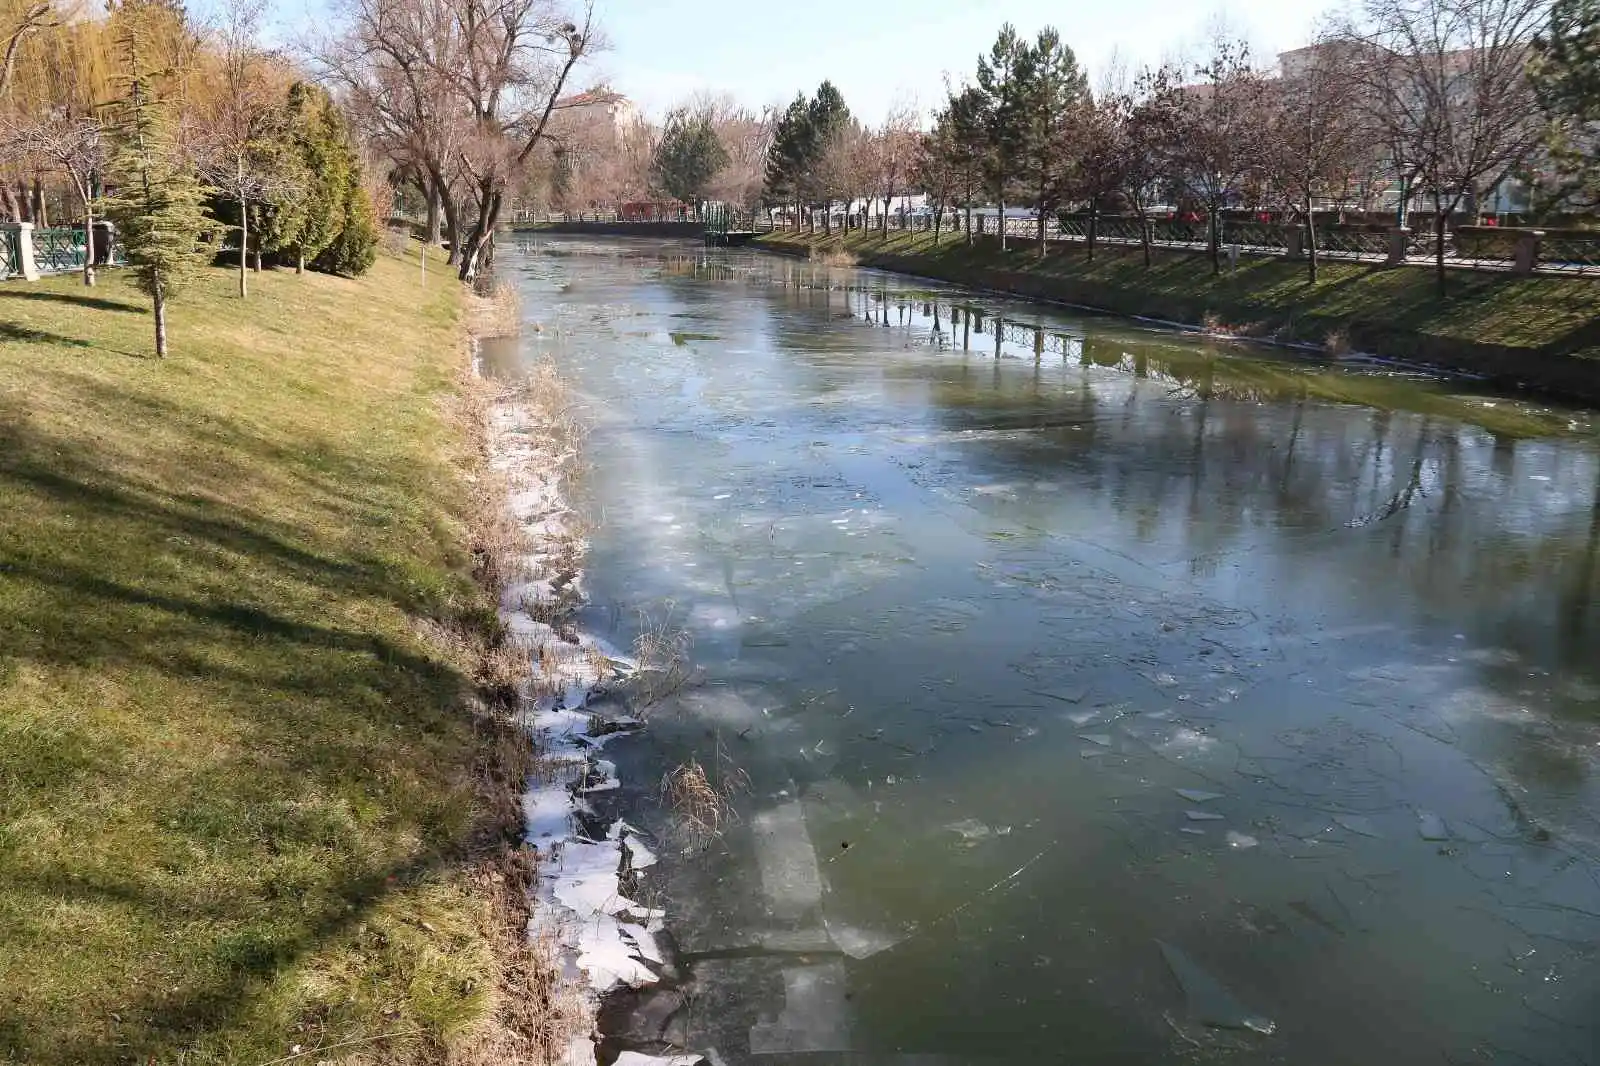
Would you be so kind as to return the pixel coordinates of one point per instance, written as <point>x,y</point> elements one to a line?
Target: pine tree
<point>157,206</point>
<point>786,158</point>
<point>1051,93</point>
<point>1004,108</point>
<point>1566,76</point>
<point>314,135</point>
<point>688,157</point>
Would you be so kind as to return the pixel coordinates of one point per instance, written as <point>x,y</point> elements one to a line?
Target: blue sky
<point>877,50</point>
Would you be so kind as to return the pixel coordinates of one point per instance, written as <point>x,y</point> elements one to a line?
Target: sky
<point>879,52</point>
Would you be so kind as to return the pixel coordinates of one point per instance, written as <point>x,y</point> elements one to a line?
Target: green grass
<point>1540,330</point>
<point>236,783</point>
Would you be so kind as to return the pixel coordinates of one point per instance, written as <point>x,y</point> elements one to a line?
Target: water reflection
<point>985,594</point>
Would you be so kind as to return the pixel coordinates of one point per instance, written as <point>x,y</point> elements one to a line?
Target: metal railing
<point>10,252</point>
<point>59,249</point>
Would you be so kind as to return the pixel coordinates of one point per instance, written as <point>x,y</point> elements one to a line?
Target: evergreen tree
<point>688,157</point>
<point>157,206</point>
<point>1566,76</point>
<point>355,248</point>
<point>1000,81</point>
<point>1051,95</point>
<point>786,158</point>
<point>966,139</point>
<point>312,213</point>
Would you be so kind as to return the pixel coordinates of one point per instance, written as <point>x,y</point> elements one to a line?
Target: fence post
<point>27,266</point>
<point>1399,239</point>
<point>1526,256</point>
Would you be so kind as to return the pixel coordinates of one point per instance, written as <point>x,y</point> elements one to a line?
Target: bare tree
<point>893,156</point>
<point>514,62</point>
<point>1317,134</point>
<point>388,62</point>
<point>73,146</point>
<point>1220,146</point>
<point>1151,121</point>
<point>237,147</point>
<point>1447,82</point>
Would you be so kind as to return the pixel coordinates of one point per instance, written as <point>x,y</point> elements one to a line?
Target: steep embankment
<point>1537,331</point>
<point>252,806</point>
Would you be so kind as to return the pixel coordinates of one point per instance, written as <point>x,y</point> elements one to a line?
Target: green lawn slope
<point>237,780</point>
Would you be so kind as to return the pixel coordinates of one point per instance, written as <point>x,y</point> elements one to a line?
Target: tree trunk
<point>88,243</point>
<point>1438,242</point>
<point>1039,212</point>
<point>1094,228</point>
<point>12,207</point>
<point>1144,238</point>
<point>1001,221</point>
<point>244,246</point>
<point>41,212</point>
<point>476,253</point>
<point>969,222</point>
<point>435,220</point>
<point>25,200</point>
<point>1311,240</point>
<point>158,301</point>
<point>1214,238</point>
<point>300,261</point>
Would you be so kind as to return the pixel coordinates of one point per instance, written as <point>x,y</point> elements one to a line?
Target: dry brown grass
<point>702,800</point>
<point>835,257</point>
<point>661,651</point>
<point>495,313</point>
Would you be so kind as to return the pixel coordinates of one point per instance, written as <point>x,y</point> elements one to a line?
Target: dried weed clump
<point>661,651</point>
<point>702,800</point>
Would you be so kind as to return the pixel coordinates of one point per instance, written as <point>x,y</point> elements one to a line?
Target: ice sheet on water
<point>1431,826</point>
<point>1195,795</point>
<point>1240,840</point>
<point>860,943</point>
<point>970,829</point>
<point>1102,739</point>
<point>1082,718</point>
<point>1202,816</point>
<point>1207,1000</point>
<point>636,1058</point>
<point>1355,823</point>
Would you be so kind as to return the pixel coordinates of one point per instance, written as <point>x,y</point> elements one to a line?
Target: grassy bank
<point>1539,331</point>
<point>247,808</point>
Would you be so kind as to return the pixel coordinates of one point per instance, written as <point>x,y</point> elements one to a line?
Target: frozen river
<point>1105,695</point>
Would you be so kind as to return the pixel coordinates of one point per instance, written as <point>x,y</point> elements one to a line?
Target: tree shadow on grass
<point>11,331</point>
<point>313,705</point>
<point>98,303</point>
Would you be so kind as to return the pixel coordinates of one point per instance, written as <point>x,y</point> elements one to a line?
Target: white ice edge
<point>606,939</point>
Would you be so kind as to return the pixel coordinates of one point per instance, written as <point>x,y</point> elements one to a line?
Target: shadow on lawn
<point>310,702</point>
<point>98,303</point>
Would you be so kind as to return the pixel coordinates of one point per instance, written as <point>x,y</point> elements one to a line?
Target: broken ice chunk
<point>1093,753</point>
<point>1193,832</point>
<point>1195,795</point>
<point>1357,824</point>
<point>1202,816</point>
<point>1082,717</point>
<point>1102,739</point>
<point>969,829</point>
<point>1431,826</point>
<point>1240,840</point>
<point>1209,1002</point>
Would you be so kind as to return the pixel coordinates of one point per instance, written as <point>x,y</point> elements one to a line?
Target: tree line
<point>186,138</point>
<point>1437,101</point>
